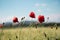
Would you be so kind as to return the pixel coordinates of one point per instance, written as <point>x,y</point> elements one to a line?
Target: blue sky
<point>21,8</point>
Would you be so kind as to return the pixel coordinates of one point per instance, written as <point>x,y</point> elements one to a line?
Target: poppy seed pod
<point>22,18</point>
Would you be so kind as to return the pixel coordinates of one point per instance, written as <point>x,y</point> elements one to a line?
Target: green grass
<point>30,33</point>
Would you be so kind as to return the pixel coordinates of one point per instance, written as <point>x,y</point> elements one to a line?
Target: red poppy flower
<point>32,15</point>
<point>1,25</point>
<point>15,19</point>
<point>41,18</point>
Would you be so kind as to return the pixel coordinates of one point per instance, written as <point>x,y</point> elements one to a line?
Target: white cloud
<point>43,4</point>
<point>48,9</point>
<point>37,4</point>
<point>39,10</point>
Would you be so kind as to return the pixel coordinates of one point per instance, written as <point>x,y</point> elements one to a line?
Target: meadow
<point>30,33</point>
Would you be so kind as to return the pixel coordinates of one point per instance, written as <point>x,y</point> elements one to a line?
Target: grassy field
<point>41,33</point>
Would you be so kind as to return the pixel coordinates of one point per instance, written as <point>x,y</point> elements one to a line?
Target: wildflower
<point>32,15</point>
<point>41,18</point>
<point>15,19</point>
